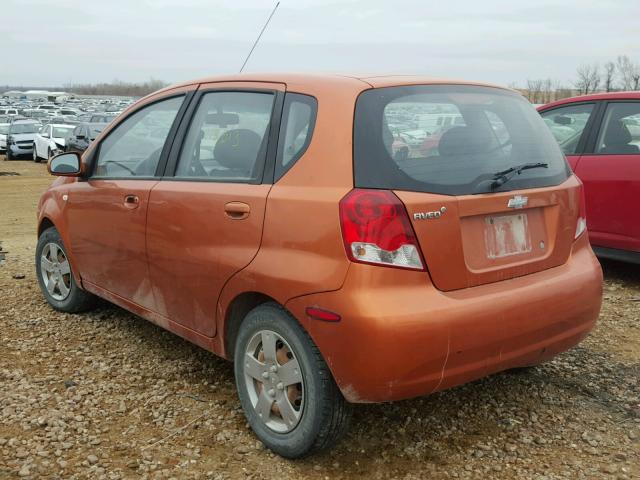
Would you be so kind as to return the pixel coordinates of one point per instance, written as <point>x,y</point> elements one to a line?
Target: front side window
<point>298,119</point>
<point>452,140</point>
<point>567,125</point>
<point>134,147</point>
<point>227,137</point>
<point>620,131</point>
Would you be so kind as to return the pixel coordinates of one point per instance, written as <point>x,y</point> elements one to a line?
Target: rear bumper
<point>399,337</point>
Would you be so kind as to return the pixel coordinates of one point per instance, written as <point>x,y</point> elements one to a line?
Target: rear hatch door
<point>452,154</point>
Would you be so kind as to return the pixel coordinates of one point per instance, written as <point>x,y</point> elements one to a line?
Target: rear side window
<point>567,124</point>
<point>296,129</point>
<point>227,138</point>
<point>451,139</point>
<point>620,132</point>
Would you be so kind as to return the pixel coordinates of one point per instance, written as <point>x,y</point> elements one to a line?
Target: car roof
<point>300,80</point>
<point>61,125</point>
<point>94,124</point>
<point>592,97</point>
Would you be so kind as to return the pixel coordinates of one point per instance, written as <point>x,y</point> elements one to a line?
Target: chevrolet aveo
<point>297,225</point>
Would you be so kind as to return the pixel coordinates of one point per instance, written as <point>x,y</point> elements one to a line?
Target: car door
<point>106,214</point>
<point>610,171</point>
<point>42,138</point>
<point>206,215</point>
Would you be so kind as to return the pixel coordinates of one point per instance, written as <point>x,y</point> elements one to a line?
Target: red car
<point>600,135</point>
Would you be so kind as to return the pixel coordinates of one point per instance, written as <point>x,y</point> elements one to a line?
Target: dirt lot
<point>108,395</point>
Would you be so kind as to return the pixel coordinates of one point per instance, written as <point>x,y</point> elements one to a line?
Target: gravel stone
<point>105,394</point>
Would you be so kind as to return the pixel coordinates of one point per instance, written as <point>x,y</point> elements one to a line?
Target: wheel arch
<point>236,312</point>
<point>45,223</point>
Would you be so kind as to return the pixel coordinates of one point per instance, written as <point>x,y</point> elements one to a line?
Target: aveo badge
<point>429,215</point>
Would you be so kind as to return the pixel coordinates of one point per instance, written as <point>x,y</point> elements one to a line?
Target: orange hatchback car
<point>296,225</point>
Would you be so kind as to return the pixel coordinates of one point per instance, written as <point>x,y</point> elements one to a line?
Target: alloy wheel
<point>274,381</point>
<point>55,271</point>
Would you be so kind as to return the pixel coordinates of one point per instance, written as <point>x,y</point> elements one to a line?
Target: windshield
<point>451,139</point>
<point>24,128</point>
<point>61,132</point>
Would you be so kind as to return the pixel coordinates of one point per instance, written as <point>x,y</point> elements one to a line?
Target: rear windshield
<point>451,139</point>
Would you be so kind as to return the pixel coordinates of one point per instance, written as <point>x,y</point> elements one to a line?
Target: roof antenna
<point>258,39</point>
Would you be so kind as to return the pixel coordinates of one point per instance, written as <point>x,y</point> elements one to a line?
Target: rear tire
<point>9,156</point>
<point>318,416</point>
<point>55,276</point>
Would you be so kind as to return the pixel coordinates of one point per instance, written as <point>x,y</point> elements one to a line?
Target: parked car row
<point>29,138</point>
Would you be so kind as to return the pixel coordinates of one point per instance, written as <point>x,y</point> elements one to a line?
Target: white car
<point>4,130</point>
<point>50,140</point>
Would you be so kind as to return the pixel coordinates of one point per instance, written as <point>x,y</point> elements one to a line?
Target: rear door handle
<point>131,201</point>
<point>237,210</point>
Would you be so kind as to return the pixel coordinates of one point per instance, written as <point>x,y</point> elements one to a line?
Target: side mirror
<point>562,120</point>
<point>65,165</point>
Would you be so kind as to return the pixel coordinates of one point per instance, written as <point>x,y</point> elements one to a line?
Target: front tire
<point>35,154</point>
<point>286,389</point>
<point>55,277</point>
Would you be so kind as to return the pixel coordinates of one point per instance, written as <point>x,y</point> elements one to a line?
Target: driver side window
<point>567,125</point>
<point>133,148</point>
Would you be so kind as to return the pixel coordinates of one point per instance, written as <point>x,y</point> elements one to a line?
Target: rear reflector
<point>581,224</point>
<point>320,314</point>
<point>376,229</point>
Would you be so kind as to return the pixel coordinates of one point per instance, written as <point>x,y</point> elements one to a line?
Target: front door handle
<point>237,210</point>
<point>131,201</point>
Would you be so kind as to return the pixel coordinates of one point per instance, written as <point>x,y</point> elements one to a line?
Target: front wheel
<point>35,154</point>
<point>56,278</point>
<point>285,387</point>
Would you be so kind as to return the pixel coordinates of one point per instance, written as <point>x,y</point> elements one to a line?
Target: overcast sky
<point>54,42</point>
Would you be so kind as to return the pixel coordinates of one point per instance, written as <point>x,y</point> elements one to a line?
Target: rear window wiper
<point>502,177</point>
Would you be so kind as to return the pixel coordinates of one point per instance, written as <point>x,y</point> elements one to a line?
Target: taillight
<point>581,224</point>
<point>376,229</point>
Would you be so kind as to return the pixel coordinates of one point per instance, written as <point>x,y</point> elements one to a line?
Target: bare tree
<point>534,87</point>
<point>629,73</point>
<point>588,78</point>
<point>609,75</point>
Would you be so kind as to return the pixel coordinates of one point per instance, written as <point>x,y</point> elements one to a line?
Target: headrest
<point>617,134</point>
<point>237,149</point>
<point>463,141</point>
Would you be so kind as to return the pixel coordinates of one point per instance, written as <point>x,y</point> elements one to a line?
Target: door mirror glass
<point>65,165</point>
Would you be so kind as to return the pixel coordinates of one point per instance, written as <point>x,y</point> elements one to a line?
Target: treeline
<point>619,75</point>
<point>117,87</point>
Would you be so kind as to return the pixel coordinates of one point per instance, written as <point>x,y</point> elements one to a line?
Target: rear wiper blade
<point>500,178</point>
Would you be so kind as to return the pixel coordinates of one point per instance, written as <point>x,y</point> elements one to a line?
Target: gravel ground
<point>108,395</point>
